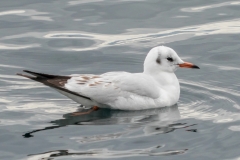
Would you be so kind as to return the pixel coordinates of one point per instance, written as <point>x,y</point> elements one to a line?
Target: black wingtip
<point>195,67</point>
<point>27,71</point>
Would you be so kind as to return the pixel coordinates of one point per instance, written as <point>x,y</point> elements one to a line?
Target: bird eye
<point>170,59</point>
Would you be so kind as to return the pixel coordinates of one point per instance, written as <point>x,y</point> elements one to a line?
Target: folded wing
<point>108,87</point>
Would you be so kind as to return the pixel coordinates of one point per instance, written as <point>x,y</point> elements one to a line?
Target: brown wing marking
<point>60,82</point>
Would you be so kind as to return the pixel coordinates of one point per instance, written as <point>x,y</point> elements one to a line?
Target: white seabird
<point>157,86</point>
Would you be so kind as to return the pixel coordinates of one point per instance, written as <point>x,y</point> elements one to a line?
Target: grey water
<point>97,36</point>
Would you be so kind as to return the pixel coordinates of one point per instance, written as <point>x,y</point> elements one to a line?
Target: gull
<point>157,86</point>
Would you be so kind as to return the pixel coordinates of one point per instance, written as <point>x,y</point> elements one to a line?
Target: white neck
<point>165,78</point>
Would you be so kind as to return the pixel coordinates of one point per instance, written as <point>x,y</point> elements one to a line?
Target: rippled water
<point>96,36</point>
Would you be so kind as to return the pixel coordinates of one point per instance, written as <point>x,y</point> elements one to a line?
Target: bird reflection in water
<point>150,122</point>
<point>153,121</point>
<point>105,153</point>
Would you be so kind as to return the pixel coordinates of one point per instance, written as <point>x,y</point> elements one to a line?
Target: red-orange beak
<point>188,65</point>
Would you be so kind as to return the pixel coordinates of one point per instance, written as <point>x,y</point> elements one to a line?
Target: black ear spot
<point>158,60</point>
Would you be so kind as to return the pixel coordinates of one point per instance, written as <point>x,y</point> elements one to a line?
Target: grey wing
<point>110,86</point>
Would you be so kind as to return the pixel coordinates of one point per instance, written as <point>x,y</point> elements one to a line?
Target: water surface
<point>96,36</point>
